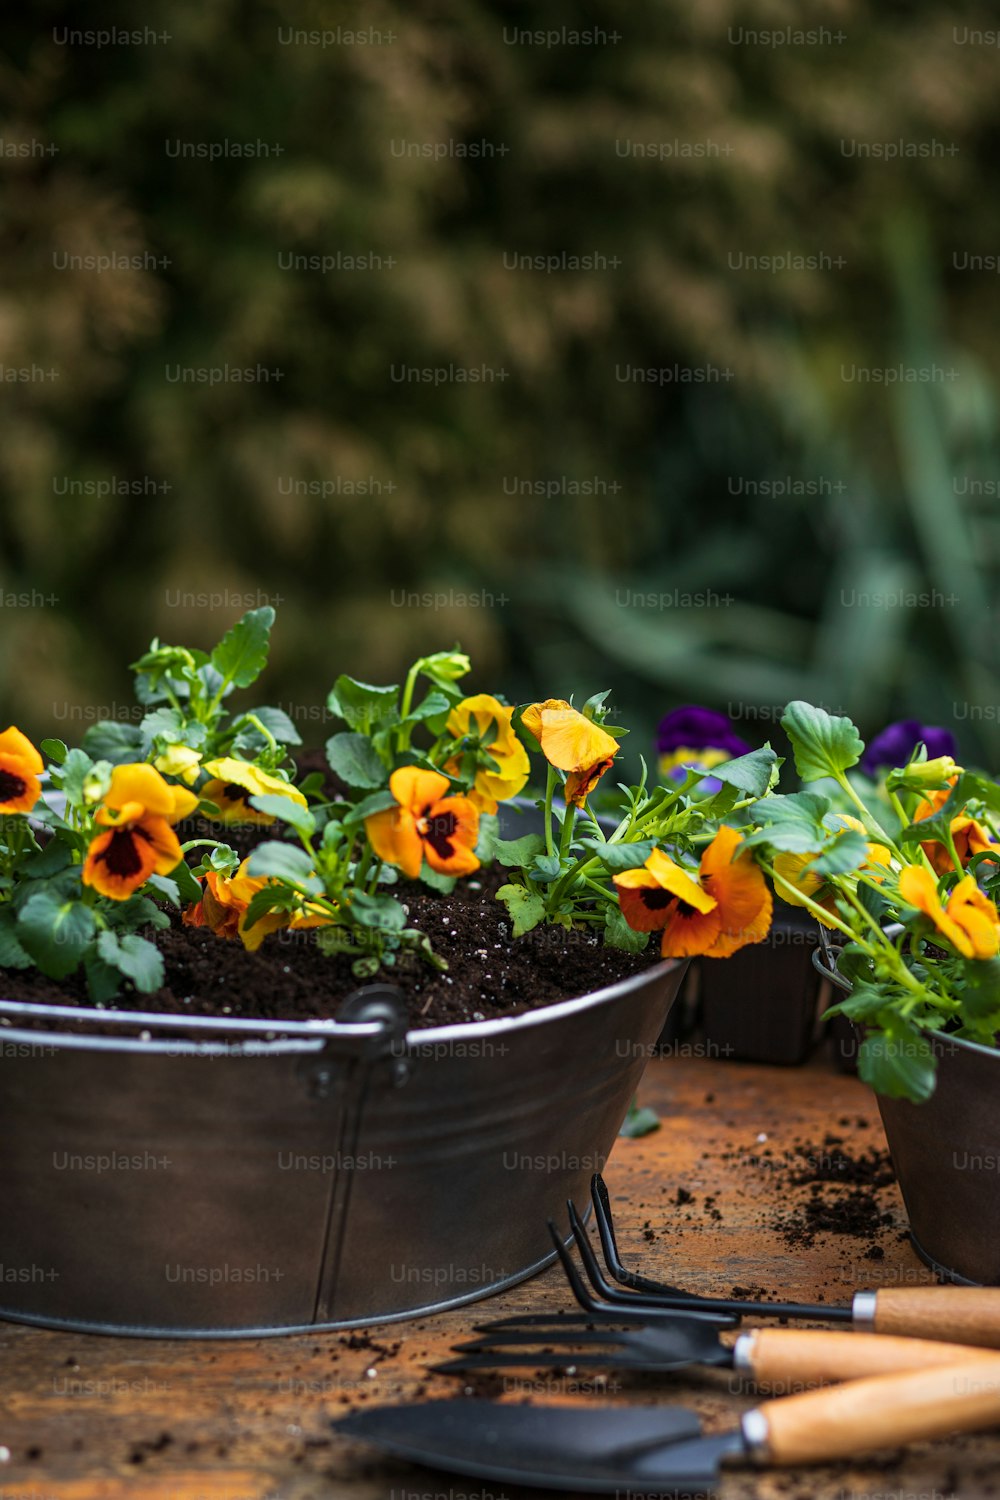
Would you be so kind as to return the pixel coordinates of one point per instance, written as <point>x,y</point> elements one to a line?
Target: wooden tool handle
<point>791,1358</point>
<point>961,1314</point>
<point>850,1419</point>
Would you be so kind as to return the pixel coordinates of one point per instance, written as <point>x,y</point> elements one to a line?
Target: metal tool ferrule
<point>743,1352</point>
<point>753,1425</point>
<point>863,1310</point>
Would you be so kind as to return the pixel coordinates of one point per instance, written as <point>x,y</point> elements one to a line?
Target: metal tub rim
<point>297,1036</point>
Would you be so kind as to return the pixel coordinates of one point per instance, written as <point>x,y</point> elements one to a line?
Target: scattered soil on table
<point>827,1188</point>
<point>843,1195</point>
<point>288,978</point>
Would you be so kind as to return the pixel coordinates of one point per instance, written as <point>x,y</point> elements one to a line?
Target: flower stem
<point>550,786</point>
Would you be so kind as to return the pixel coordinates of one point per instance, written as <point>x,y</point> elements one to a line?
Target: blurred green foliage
<point>907,474</point>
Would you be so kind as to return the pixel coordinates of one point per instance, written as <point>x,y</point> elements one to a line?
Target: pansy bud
<point>448,666</point>
<point>180,761</point>
<point>96,782</point>
<point>922,774</point>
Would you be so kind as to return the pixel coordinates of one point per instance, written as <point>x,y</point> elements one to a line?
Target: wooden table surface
<point>243,1420</point>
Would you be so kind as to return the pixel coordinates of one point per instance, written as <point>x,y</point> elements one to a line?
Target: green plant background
<point>908,474</point>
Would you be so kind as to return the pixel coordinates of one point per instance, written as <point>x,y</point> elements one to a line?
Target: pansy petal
<point>918,888</point>
<point>531,717</point>
<point>417,789</point>
<point>449,832</point>
<point>16,744</point>
<point>185,803</point>
<point>118,863</point>
<point>255,782</point>
<point>252,937</point>
<point>738,884</point>
<point>393,836</point>
<point>644,903</point>
<point>580,784</point>
<point>572,742</point>
<point>233,802</point>
<point>20,788</point>
<point>672,878</point>
<point>975,914</point>
<point>689,933</point>
<point>139,782</point>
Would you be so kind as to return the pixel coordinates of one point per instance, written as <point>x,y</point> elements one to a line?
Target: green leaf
<point>286,811</point>
<point>853,962</point>
<point>56,856</point>
<point>169,722</point>
<point>55,750</point>
<point>897,1060</point>
<point>377,802</point>
<point>981,995</point>
<point>437,882</point>
<point>792,824</point>
<point>525,908</point>
<point>12,954</point>
<point>844,851</point>
<point>135,957</point>
<point>167,888</point>
<point>862,1004</point>
<point>489,832</point>
<point>269,898</point>
<point>824,744</point>
<point>352,757</point>
<point>432,707</point>
<point>384,913</point>
<point>618,934</point>
<point>188,888</point>
<point>277,722</point>
<point>241,655</point>
<point>113,741</point>
<point>362,705</point>
<point>546,867</point>
<point>74,772</point>
<point>639,1122</point>
<point>103,981</point>
<point>516,853</point>
<point>749,774</point>
<point>285,862</point>
<point>621,856</point>
<point>55,931</point>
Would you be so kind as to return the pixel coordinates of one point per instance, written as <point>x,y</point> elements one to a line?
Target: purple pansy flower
<point>696,736</point>
<point>897,742</point>
<point>694,728</point>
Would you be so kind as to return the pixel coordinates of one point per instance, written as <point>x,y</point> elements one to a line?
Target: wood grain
<point>969,1315</point>
<point>882,1412</point>
<point>249,1420</point>
<point>789,1359</point>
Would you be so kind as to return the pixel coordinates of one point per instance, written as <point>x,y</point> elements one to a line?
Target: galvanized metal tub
<point>341,1174</point>
<point>946,1156</point>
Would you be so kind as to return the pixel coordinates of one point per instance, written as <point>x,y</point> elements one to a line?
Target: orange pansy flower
<point>138,811</point>
<point>20,767</point>
<point>572,743</point>
<point>426,824</point>
<point>478,715</point>
<point>223,909</point>
<point>968,919</point>
<point>969,836</point>
<point>728,906</point>
<point>233,782</point>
